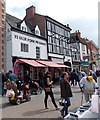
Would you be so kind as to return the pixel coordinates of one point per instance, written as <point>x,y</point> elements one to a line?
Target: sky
<point>81,15</point>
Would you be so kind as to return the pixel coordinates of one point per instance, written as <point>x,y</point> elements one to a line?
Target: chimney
<point>78,34</point>
<point>30,11</point>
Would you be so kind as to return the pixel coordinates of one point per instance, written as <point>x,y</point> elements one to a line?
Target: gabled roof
<point>12,21</point>
<point>15,22</point>
<point>74,38</point>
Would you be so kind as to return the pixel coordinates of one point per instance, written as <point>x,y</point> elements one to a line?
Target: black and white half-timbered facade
<point>58,36</point>
<point>78,51</point>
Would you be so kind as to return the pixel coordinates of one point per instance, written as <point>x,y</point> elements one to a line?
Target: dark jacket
<point>73,76</point>
<point>65,89</point>
<point>27,79</point>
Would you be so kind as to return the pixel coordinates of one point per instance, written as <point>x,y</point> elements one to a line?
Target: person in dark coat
<point>73,77</point>
<point>66,92</point>
<point>27,78</point>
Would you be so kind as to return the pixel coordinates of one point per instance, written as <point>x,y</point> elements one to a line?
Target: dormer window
<point>37,30</point>
<point>23,26</point>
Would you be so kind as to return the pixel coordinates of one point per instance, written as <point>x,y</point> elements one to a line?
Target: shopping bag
<point>10,93</point>
<point>63,102</point>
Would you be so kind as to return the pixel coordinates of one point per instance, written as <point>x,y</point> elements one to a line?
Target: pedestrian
<point>73,77</point>
<point>91,73</point>
<point>79,77</point>
<point>27,79</point>
<point>4,79</point>
<point>83,73</point>
<point>66,92</point>
<point>41,77</point>
<point>48,90</point>
<point>69,74</point>
<point>88,86</point>
<point>12,76</point>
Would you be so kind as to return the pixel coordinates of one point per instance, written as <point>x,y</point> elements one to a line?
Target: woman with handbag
<point>66,92</point>
<point>48,90</point>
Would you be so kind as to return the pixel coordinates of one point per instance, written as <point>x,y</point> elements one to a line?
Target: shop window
<point>24,47</point>
<point>37,52</point>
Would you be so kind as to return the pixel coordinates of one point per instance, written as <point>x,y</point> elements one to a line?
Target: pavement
<point>35,107</point>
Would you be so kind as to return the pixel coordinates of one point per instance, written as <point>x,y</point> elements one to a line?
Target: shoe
<point>57,108</point>
<point>62,113</point>
<point>46,108</point>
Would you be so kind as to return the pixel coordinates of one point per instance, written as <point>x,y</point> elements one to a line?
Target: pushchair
<point>35,88</point>
<point>16,96</point>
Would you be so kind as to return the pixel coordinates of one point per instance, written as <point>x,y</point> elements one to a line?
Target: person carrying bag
<point>48,90</point>
<point>66,93</point>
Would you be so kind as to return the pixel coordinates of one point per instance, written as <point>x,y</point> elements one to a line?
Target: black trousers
<point>52,98</point>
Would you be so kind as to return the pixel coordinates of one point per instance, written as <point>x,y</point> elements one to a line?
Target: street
<point>35,107</point>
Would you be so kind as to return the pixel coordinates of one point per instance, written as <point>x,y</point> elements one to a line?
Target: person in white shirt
<point>88,86</point>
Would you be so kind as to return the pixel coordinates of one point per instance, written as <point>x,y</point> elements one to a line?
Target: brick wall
<point>2,36</point>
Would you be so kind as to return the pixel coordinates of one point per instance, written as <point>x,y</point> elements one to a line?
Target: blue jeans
<point>64,110</point>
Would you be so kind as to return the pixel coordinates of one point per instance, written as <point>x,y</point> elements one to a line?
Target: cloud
<point>17,8</point>
<point>80,14</point>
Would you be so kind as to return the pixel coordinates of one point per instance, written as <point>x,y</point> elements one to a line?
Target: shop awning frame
<point>33,63</point>
<point>52,64</point>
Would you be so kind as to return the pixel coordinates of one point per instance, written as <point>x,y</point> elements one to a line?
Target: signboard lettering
<point>28,40</point>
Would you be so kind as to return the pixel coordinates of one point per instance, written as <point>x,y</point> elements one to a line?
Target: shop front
<point>35,66</point>
<point>22,65</point>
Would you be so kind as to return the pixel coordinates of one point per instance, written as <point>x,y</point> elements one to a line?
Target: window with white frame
<point>50,48</point>
<point>37,52</point>
<point>83,47</point>
<point>23,28</point>
<point>24,47</point>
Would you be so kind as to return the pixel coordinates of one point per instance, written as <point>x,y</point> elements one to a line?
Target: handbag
<point>47,89</point>
<point>63,102</point>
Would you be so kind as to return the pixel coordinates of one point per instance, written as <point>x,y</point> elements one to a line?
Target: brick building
<point>2,36</point>
<point>92,50</point>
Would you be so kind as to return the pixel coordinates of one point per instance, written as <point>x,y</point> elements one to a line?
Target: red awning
<point>32,62</point>
<point>50,64</point>
<point>64,65</point>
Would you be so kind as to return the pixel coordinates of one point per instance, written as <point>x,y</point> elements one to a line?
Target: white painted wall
<point>83,52</point>
<point>9,65</point>
<point>33,42</point>
<point>14,46</point>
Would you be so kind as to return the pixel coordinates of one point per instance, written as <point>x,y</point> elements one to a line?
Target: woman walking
<point>48,90</point>
<point>66,92</point>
